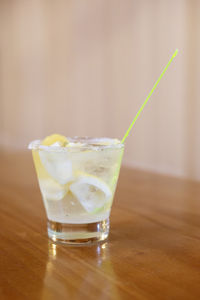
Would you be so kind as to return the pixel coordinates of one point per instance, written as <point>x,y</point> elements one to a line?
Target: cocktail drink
<point>77,179</point>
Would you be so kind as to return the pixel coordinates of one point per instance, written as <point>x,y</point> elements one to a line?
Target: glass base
<point>78,234</point>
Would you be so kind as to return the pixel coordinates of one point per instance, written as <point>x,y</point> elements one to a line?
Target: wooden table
<point>153,251</point>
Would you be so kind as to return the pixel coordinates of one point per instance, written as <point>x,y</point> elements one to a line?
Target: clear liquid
<point>78,186</point>
<point>69,211</point>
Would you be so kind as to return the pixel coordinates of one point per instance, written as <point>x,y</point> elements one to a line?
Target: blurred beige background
<point>81,67</point>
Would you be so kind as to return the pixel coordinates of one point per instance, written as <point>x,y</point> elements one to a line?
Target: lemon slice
<point>91,192</point>
<point>52,190</point>
<point>55,138</point>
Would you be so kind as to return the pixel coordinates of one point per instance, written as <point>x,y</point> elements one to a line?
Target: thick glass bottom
<point>78,234</point>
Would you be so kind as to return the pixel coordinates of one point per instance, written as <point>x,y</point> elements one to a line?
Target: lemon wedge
<point>55,138</point>
<point>91,192</point>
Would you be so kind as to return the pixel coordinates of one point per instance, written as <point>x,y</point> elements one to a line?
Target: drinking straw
<point>149,95</point>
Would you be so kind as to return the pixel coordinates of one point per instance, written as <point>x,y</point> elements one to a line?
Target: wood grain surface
<point>153,251</point>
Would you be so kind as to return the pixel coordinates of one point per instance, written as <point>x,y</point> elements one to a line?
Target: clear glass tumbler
<point>78,183</point>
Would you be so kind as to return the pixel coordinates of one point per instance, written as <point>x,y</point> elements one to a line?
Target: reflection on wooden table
<point>152,252</point>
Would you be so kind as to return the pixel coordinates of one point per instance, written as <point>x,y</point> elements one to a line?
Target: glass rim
<point>36,145</point>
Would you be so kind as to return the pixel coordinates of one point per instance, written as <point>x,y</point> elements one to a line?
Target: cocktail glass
<point>77,184</point>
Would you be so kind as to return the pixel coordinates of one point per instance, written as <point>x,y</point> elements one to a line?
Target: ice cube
<point>57,165</point>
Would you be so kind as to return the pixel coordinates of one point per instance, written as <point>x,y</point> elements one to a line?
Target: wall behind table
<point>85,67</point>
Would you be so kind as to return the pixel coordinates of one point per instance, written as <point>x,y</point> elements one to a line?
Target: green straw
<point>149,95</point>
